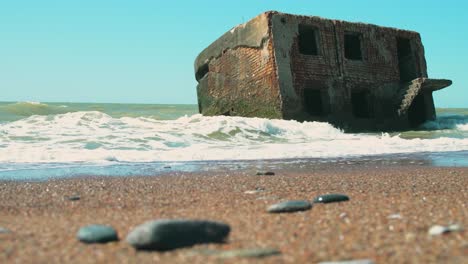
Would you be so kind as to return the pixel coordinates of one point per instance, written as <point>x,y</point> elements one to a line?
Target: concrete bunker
<point>354,75</point>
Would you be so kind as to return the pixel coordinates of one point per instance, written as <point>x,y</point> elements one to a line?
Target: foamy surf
<point>98,138</point>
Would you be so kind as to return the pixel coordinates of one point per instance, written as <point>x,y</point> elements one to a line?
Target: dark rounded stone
<point>166,234</point>
<point>289,207</point>
<point>97,234</point>
<point>265,173</point>
<point>74,198</point>
<point>331,198</point>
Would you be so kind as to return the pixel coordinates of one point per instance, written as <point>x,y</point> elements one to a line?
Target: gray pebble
<point>241,253</point>
<point>289,206</point>
<point>357,261</point>
<point>166,234</point>
<point>331,198</point>
<point>4,230</point>
<point>73,198</point>
<point>97,234</point>
<point>249,253</point>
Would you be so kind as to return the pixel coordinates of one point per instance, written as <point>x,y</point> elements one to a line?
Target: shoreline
<point>43,222</point>
<point>53,171</point>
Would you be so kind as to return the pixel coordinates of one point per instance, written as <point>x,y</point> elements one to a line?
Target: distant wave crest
<point>26,109</point>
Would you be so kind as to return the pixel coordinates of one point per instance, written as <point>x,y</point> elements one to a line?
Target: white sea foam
<point>99,138</point>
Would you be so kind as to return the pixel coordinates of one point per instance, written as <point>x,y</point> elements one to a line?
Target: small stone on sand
<point>265,173</point>
<point>97,234</point>
<point>439,230</point>
<point>240,253</point>
<point>357,261</point>
<point>4,230</point>
<point>395,216</point>
<point>166,234</point>
<point>331,198</point>
<point>249,253</point>
<point>73,198</point>
<point>257,190</point>
<point>289,207</point>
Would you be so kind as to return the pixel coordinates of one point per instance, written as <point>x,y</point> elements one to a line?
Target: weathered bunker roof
<point>255,31</point>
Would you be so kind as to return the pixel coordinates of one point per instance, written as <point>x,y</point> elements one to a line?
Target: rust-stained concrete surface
<point>354,75</point>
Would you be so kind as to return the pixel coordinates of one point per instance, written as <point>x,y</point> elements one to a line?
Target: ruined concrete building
<point>354,75</point>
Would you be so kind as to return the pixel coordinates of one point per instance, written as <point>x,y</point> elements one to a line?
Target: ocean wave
<point>93,136</point>
<point>448,121</point>
<point>25,109</point>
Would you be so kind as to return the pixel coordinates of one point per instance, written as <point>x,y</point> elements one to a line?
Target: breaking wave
<point>25,109</point>
<point>448,121</point>
<point>96,137</point>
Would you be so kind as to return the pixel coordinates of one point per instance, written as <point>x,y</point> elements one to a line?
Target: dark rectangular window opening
<point>404,47</point>
<point>308,40</point>
<point>313,102</point>
<point>406,60</point>
<point>352,44</point>
<point>360,101</point>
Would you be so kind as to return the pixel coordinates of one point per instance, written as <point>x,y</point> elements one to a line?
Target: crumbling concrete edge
<point>283,41</point>
<point>252,34</point>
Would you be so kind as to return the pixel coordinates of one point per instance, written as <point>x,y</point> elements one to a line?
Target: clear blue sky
<point>142,51</point>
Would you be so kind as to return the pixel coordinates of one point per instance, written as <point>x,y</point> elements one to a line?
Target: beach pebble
<point>97,234</point>
<point>439,230</point>
<point>252,192</point>
<point>265,173</point>
<point>357,261</point>
<point>250,253</point>
<point>331,198</point>
<point>242,253</point>
<point>4,230</point>
<point>166,234</point>
<point>395,216</point>
<point>257,190</point>
<point>73,198</point>
<point>289,206</point>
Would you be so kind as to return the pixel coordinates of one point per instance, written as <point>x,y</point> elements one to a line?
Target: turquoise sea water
<point>41,140</point>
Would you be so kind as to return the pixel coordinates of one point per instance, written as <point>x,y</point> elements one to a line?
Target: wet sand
<point>43,222</point>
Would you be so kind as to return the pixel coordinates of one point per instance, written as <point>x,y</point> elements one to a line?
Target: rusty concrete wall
<point>297,71</point>
<point>329,71</point>
<point>241,76</point>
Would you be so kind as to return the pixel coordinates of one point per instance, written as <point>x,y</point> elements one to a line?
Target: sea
<point>40,141</point>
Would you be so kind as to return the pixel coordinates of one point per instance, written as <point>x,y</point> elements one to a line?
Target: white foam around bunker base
<point>91,136</point>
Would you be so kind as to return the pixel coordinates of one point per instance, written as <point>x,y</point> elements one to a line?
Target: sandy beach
<point>387,219</point>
